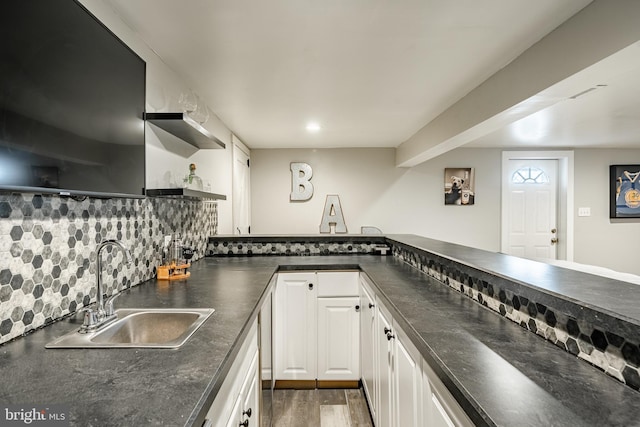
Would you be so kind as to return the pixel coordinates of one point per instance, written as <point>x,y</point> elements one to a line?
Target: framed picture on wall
<point>624,191</point>
<point>459,186</point>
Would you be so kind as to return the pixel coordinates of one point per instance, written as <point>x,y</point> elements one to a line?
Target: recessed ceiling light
<point>313,127</point>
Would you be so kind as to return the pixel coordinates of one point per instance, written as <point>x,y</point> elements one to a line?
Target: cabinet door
<point>433,413</point>
<point>250,413</point>
<point>234,419</point>
<point>368,354</point>
<point>338,339</point>
<point>385,362</point>
<point>295,326</point>
<point>407,373</point>
<point>439,417</point>
<point>226,408</point>
<point>440,407</point>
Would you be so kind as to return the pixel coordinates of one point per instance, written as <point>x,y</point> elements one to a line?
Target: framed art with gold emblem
<point>624,201</point>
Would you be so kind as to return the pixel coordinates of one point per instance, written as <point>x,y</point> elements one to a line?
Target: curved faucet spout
<point>127,255</point>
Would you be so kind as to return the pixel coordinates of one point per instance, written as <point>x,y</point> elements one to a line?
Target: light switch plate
<point>584,211</point>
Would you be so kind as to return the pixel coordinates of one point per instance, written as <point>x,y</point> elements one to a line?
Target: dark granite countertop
<point>615,298</point>
<point>126,387</point>
<point>500,373</point>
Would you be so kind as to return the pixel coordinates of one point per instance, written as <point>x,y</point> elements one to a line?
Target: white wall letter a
<point>332,215</point>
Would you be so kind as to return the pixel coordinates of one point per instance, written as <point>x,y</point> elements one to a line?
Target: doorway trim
<point>565,196</point>
<point>238,150</point>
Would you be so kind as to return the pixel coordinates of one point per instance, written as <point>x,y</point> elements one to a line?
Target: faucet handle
<point>90,320</point>
<point>108,304</point>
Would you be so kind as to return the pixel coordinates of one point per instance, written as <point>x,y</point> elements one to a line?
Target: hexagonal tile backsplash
<point>614,354</point>
<point>48,250</point>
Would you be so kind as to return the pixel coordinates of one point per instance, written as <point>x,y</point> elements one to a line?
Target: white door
<point>368,347</point>
<point>241,192</point>
<point>338,333</point>
<point>531,208</point>
<point>295,326</point>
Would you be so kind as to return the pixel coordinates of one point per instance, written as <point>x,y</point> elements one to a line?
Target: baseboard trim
<point>337,384</point>
<point>296,384</point>
<point>313,384</point>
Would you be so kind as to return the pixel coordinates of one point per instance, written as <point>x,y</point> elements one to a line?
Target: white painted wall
<point>612,243</point>
<point>167,157</point>
<point>374,192</point>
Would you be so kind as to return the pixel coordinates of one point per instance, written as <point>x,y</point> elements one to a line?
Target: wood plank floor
<point>320,408</point>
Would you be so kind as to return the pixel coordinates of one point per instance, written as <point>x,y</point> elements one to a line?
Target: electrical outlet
<point>167,240</point>
<point>584,211</point>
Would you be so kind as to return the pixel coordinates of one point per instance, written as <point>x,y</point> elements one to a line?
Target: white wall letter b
<point>301,186</point>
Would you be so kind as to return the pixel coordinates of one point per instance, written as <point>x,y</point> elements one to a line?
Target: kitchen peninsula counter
<point>500,373</point>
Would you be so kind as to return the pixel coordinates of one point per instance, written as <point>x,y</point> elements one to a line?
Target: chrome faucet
<point>104,313</point>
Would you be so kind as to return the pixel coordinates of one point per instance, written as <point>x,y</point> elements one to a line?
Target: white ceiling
<point>373,72</point>
<point>605,114</point>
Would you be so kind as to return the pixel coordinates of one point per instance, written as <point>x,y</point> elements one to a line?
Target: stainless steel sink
<point>141,327</point>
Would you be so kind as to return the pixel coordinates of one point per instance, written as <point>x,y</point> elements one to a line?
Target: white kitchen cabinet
<point>233,417</point>
<point>338,339</point>
<point>317,338</point>
<point>338,283</point>
<point>407,374</point>
<point>295,326</point>
<point>250,409</point>
<point>401,388</point>
<point>384,370</point>
<point>399,375</point>
<point>439,408</point>
<point>439,416</point>
<point>239,391</point>
<point>266,357</point>
<point>245,412</point>
<point>368,354</point>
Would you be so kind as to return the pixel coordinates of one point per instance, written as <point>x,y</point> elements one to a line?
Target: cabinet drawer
<point>338,283</point>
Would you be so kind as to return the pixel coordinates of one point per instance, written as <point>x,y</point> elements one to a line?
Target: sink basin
<point>145,328</point>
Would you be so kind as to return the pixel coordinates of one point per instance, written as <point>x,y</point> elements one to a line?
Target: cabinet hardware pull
<point>371,305</point>
<point>357,308</point>
<point>387,330</point>
<point>245,423</point>
<point>310,286</point>
<point>247,413</point>
<point>390,336</point>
